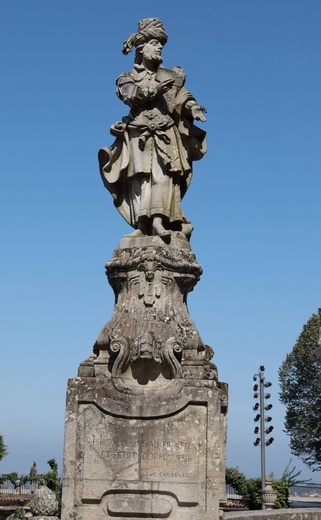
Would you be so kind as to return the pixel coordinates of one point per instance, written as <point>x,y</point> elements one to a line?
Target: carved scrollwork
<point>147,350</point>
<point>120,347</point>
<point>170,354</point>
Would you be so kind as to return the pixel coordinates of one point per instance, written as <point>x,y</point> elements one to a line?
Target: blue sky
<point>254,200</point>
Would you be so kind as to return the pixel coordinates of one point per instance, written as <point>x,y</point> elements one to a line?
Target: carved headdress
<point>148,29</point>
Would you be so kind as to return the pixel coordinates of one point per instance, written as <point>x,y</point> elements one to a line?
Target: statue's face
<point>152,51</point>
<point>145,349</point>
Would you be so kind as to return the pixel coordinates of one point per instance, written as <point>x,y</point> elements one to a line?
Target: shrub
<point>250,488</point>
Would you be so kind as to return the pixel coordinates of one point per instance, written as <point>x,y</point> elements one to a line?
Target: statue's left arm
<point>186,111</point>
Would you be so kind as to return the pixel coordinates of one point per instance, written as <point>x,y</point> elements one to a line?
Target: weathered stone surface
<point>166,449</point>
<point>44,502</point>
<point>150,320</point>
<point>146,416</point>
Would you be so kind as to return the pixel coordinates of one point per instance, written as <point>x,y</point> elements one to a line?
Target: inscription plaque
<point>171,449</point>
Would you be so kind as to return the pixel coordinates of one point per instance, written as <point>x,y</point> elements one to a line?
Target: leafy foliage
<point>19,514</point>
<point>281,486</point>
<point>250,488</point>
<point>3,448</point>
<point>234,478</point>
<point>299,377</point>
<point>52,479</point>
<point>13,478</point>
<point>251,493</point>
<point>290,475</point>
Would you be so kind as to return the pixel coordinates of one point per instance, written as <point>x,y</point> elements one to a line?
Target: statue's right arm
<point>129,92</point>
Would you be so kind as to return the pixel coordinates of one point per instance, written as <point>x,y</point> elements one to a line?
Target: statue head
<point>150,31</point>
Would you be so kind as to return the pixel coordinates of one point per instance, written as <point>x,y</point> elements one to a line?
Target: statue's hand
<point>164,86</point>
<point>198,113</point>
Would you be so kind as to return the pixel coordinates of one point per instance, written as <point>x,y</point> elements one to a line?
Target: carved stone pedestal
<point>146,416</point>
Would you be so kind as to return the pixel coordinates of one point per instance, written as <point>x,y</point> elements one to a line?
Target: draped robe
<point>148,168</point>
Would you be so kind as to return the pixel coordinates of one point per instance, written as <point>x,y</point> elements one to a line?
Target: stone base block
<point>143,454</point>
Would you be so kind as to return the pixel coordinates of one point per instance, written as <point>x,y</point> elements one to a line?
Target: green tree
<point>3,448</point>
<point>300,378</point>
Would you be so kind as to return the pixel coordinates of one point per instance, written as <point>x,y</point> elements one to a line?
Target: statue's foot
<point>135,234</point>
<point>158,229</point>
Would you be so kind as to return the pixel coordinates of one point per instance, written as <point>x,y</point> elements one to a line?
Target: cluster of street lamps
<point>262,429</point>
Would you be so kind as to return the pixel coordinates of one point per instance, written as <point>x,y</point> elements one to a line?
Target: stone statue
<point>145,428</point>
<point>33,470</point>
<point>148,168</point>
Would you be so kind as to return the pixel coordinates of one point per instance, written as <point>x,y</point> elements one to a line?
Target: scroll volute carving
<point>119,356</point>
<point>148,359</point>
<point>171,356</point>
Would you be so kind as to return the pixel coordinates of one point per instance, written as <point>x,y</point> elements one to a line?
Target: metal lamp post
<point>262,419</point>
